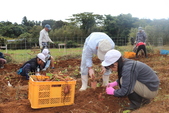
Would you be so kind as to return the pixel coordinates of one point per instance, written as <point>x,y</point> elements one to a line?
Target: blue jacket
<point>2,55</point>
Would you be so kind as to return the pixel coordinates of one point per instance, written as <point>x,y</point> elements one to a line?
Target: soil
<point>15,99</point>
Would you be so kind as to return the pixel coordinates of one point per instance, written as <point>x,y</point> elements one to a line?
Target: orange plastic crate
<point>44,94</point>
<point>129,55</point>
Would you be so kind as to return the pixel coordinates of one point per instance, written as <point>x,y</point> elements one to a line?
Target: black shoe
<point>135,100</point>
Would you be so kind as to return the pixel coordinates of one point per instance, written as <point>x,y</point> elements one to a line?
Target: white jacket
<point>44,37</point>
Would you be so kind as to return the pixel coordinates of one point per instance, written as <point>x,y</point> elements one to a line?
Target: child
<point>32,66</point>
<point>2,60</point>
<point>49,60</point>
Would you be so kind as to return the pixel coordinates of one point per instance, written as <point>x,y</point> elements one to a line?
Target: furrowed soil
<point>15,99</point>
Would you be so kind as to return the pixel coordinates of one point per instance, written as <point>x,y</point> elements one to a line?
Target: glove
<point>19,71</point>
<point>110,90</point>
<point>44,69</point>
<point>112,84</point>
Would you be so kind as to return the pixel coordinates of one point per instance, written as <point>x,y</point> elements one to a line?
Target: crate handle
<point>56,85</point>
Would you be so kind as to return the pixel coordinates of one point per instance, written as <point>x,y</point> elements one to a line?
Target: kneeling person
<point>32,66</point>
<point>49,60</point>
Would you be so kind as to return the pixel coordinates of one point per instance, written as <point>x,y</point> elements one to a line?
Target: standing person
<point>141,36</point>
<point>2,60</point>
<point>140,43</point>
<point>132,41</point>
<point>49,60</point>
<point>32,66</point>
<point>96,43</point>
<point>44,37</point>
<point>136,79</point>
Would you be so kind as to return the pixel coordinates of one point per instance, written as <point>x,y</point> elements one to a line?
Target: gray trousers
<point>142,90</point>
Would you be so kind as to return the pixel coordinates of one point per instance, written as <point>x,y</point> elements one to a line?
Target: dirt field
<point>15,99</point>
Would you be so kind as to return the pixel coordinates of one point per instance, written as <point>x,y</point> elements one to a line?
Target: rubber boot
<point>135,101</point>
<point>145,101</point>
<point>105,80</point>
<point>84,79</point>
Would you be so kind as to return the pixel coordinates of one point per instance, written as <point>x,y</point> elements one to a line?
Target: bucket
<point>164,52</point>
<point>129,55</point>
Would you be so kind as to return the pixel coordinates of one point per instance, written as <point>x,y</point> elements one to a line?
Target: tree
<point>87,21</point>
<point>25,21</point>
<point>59,24</point>
<point>110,26</point>
<point>35,34</point>
<point>50,22</point>
<point>11,30</point>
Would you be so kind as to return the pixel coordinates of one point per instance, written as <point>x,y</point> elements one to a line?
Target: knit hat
<point>103,47</point>
<point>111,57</point>
<point>41,56</point>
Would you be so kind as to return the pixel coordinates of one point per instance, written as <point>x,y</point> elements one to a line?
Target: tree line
<point>75,29</point>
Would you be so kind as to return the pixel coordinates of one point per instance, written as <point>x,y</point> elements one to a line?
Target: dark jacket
<point>2,55</point>
<point>33,64</point>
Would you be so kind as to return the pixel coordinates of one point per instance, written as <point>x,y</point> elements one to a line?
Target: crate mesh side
<point>44,87</point>
<point>44,94</point>
<point>54,100</point>
<point>66,99</point>
<point>43,101</point>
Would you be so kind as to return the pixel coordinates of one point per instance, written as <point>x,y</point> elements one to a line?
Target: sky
<point>39,10</point>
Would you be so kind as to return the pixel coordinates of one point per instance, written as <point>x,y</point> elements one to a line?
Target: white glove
<point>44,69</point>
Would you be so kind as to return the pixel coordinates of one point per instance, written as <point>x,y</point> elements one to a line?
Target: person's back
<point>33,64</point>
<point>94,38</point>
<point>97,43</point>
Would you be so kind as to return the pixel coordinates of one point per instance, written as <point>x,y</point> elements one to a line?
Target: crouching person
<point>141,46</point>
<point>32,66</point>
<point>49,60</point>
<point>135,79</point>
<point>2,60</point>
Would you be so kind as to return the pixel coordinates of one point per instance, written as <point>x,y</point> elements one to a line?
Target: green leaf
<point>49,74</point>
<point>126,111</point>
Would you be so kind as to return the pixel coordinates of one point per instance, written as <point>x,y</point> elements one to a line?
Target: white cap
<point>45,52</point>
<point>41,56</point>
<point>111,57</point>
<point>103,47</point>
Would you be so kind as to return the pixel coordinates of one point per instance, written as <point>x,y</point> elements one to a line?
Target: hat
<point>45,52</point>
<point>41,56</point>
<point>111,57</point>
<point>103,47</point>
<point>140,29</point>
<point>48,26</point>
